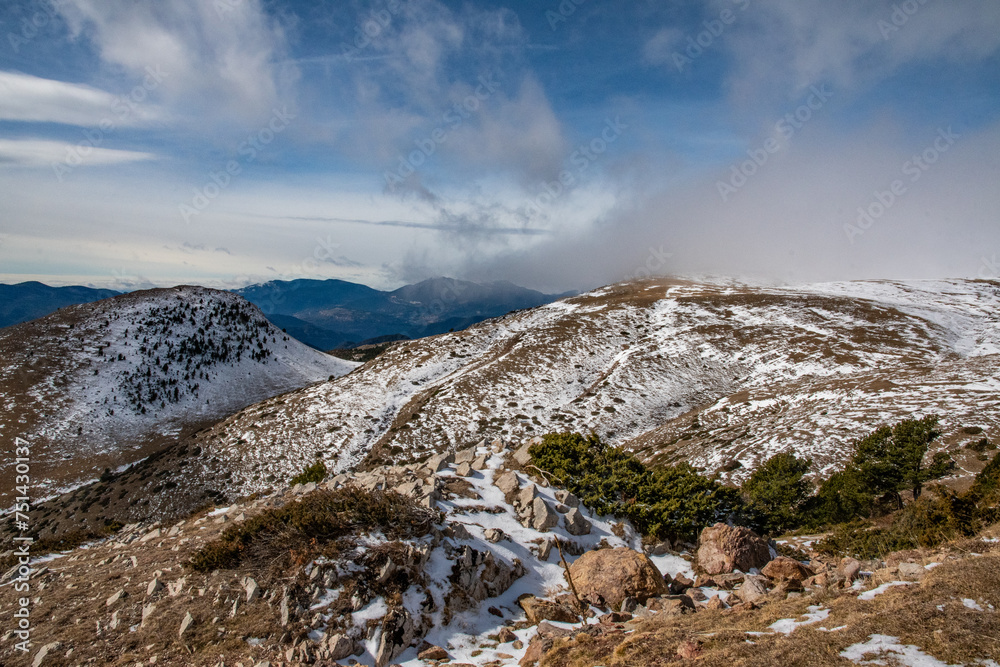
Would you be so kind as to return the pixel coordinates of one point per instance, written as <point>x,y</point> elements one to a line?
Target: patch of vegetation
<point>672,502</point>
<point>64,542</point>
<point>777,493</point>
<point>885,462</point>
<point>981,446</point>
<point>296,532</point>
<point>314,474</point>
<point>926,522</point>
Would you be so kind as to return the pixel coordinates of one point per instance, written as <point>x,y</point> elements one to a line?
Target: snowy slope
<point>105,382</point>
<point>722,375</point>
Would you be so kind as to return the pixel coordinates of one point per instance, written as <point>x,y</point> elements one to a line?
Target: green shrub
<point>664,502</point>
<point>315,473</point>
<point>885,462</point>
<point>981,445</point>
<point>776,492</point>
<point>302,528</point>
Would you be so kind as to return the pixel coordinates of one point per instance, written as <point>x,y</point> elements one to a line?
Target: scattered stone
<point>753,589</point>
<point>155,586</point>
<point>538,610</point>
<point>607,576</point>
<point>576,523</point>
<point>464,470</point>
<point>505,636</point>
<point>507,483</point>
<point>114,599</point>
<point>679,584</point>
<point>543,517</point>
<point>785,569</point>
<point>465,456</point>
<point>725,548</point>
<point>433,653</point>
<point>849,569</point>
<point>252,589</point>
<point>716,602</point>
<point>567,498</point>
<point>339,646</point>
<point>522,455</point>
<point>439,462</point>
<point>481,463</point>
<point>186,624</point>
<point>494,535</point>
<point>147,612</point>
<point>689,650</point>
<point>397,633</point>
<point>151,535</point>
<point>912,571</point>
<point>44,652</point>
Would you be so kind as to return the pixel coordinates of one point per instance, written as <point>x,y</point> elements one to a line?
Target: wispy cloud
<point>223,60</point>
<point>44,153</point>
<point>451,223</point>
<point>33,99</point>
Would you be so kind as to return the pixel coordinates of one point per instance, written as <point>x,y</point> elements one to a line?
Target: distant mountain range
<point>325,314</point>
<point>29,301</point>
<point>333,313</point>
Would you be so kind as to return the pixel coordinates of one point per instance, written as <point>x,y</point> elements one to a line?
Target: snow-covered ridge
<point>722,375</point>
<point>105,378</point>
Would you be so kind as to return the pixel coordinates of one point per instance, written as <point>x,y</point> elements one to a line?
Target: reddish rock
<point>433,653</point>
<point>688,650</point>
<point>604,578</point>
<point>679,584</point>
<point>538,610</point>
<point>715,603</point>
<point>849,569</point>
<point>546,629</point>
<point>785,569</point>
<point>725,548</point>
<point>537,649</point>
<point>506,635</point>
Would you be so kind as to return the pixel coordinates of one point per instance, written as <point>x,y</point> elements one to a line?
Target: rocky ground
<point>485,582</point>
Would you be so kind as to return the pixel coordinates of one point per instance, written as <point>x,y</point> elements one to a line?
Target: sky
<point>556,144</point>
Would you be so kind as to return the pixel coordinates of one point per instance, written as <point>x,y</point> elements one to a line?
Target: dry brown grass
<point>952,633</point>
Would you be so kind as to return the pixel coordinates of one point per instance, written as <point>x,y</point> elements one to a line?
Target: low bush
<point>673,502</point>
<point>777,492</point>
<point>279,536</point>
<point>926,522</point>
<point>315,474</point>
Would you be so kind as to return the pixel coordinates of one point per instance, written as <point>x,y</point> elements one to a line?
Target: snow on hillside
<point>721,375</point>
<point>113,374</point>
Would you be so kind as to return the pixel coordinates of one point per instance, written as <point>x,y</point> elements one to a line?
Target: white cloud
<point>221,60</point>
<point>29,98</point>
<point>43,153</point>
<point>784,46</point>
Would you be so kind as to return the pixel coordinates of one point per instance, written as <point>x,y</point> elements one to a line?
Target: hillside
<point>100,385</point>
<point>27,301</point>
<point>463,560</point>
<point>720,375</point>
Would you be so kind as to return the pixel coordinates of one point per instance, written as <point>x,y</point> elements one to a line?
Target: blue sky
<point>560,145</point>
